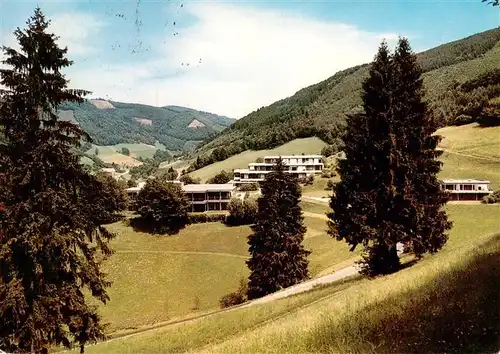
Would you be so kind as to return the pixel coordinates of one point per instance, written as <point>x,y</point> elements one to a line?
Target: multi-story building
<point>207,197</point>
<point>300,165</point>
<point>466,189</point>
<point>203,197</point>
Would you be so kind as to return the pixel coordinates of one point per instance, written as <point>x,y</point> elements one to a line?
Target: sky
<point>233,57</point>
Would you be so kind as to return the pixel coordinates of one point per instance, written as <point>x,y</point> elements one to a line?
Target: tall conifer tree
<point>277,257</point>
<point>361,201</point>
<point>52,239</point>
<point>389,192</point>
<point>419,198</point>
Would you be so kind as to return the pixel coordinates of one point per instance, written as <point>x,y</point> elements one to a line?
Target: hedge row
<point>203,218</point>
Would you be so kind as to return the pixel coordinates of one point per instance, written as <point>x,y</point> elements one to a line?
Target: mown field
<point>446,302</point>
<point>471,152</point>
<point>295,147</point>
<point>160,278</point>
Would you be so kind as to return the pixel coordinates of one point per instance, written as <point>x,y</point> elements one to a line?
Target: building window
<point>449,187</point>
<point>467,187</point>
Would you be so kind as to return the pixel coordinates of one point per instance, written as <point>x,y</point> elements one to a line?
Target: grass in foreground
<point>422,293</point>
<point>443,304</point>
<point>297,146</point>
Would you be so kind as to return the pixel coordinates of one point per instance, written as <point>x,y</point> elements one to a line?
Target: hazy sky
<point>232,57</point>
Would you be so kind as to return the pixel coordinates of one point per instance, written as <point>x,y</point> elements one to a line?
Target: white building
<point>466,189</point>
<point>203,197</point>
<point>300,165</point>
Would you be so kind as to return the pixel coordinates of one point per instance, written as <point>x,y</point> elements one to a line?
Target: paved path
<point>305,286</point>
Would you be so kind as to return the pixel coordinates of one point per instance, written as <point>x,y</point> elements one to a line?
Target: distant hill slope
<point>320,110</point>
<point>110,123</point>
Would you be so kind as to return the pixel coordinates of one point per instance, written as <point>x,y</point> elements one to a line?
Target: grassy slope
<point>205,261</point>
<point>471,152</point>
<point>297,146</point>
<point>328,319</point>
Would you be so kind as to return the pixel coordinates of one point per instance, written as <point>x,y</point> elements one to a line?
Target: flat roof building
<point>299,165</point>
<point>203,197</point>
<point>466,189</point>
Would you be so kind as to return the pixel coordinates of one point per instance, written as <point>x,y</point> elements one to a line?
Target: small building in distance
<point>203,197</point>
<point>466,189</point>
<point>300,165</point>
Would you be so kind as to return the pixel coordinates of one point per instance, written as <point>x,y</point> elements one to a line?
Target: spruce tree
<point>52,240</point>
<point>389,192</point>
<point>277,257</point>
<point>419,198</point>
<point>361,200</point>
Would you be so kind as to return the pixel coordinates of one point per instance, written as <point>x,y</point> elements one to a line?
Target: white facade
<point>466,189</point>
<point>300,165</point>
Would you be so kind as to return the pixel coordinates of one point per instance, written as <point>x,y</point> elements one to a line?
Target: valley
<point>325,222</point>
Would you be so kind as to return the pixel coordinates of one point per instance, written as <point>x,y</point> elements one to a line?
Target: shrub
<point>237,297</point>
<point>250,187</point>
<point>221,178</point>
<point>187,179</point>
<point>309,180</point>
<point>492,198</point>
<point>329,185</point>
<point>328,174</point>
<point>204,218</point>
<point>163,208</point>
<point>241,212</point>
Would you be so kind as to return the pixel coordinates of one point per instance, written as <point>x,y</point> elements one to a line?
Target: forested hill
<point>110,123</point>
<point>320,110</point>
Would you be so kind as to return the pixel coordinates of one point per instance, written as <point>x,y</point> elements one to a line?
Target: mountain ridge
<point>111,122</point>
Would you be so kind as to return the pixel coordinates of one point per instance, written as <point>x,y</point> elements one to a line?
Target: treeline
<point>476,100</point>
<point>468,48</point>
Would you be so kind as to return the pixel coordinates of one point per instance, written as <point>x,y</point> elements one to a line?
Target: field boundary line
<point>181,252</point>
<point>491,159</point>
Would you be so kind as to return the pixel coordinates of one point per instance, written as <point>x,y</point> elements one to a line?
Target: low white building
<point>300,165</point>
<point>466,189</point>
<point>203,197</point>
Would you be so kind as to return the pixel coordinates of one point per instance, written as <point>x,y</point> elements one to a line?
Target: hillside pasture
<point>109,154</point>
<point>444,296</point>
<point>295,147</point>
<point>473,140</point>
<point>159,278</point>
<point>471,151</point>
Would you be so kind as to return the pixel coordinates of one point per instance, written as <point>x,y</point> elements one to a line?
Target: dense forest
<point>466,68</point>
<point>136,123</point>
